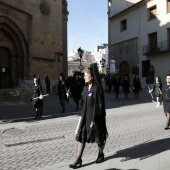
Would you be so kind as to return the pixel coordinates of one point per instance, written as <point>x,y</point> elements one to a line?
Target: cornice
<point>127,10</point>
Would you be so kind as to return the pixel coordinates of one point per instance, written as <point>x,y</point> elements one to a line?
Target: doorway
<point>5,68</point>
<point>124,69</point>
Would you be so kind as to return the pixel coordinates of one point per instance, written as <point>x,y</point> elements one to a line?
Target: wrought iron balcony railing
<point>159,47</point>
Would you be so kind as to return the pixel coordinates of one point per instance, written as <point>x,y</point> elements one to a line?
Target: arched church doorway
<point>13,54</point>
<point>5,68</point>
<point>124,68</point>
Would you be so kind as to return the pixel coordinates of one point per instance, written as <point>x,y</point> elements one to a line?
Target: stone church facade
<point>33,40</point>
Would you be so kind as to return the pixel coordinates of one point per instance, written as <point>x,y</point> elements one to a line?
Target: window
<point>123,25</point>
<point>152,12</point>
<point>153,42</point>
<point>168,6</point>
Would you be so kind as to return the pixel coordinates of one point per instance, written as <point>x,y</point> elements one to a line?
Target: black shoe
<point>63,111</point>
<point>76,164</point>
<point>166,128</point>
<point>100,158</point>
<point>37,115</point>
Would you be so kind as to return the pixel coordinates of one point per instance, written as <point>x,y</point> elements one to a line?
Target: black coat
<point>116,83</point>
<point>99,113</point>
<point>76,88</point>
<point>165,97</point>
<point>37,91</point>
<point>62,90</point>
<point>136,85</point>
<point>126,85</point>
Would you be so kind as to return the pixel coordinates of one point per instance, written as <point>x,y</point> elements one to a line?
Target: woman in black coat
<point>157,89</point>
<point>37,92</point>
<point>62,91</point>
<point>76,89</point>
<point>92,125</point>
<point>126,86</point>
<point>136,86</point>
<point>165,97</point>
<point>117,83</point>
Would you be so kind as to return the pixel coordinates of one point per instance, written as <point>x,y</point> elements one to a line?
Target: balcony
<point>163,46</point>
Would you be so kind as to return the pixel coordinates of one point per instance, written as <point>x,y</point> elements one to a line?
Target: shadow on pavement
<point>142,151</point>
<point>144,97</point>
<point>88,164</point>
<point>52,109</point>
<point>31,119</point>
<point>120,169</point>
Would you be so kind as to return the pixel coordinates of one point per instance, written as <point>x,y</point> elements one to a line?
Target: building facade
<point>139,36</point>
<point>33,40</point>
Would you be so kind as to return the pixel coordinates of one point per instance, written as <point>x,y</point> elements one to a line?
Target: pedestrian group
<point>88,91</point>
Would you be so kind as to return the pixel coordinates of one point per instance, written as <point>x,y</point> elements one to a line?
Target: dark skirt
<point>89,136</point>
<point>37,103</point>
<point>157,94</point>
<point>62,96</point>
<point>166,106</point>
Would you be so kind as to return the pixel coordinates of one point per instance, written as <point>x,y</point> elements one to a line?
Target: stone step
<point>15,94</point>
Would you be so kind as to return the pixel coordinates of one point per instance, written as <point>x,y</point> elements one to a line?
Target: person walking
<point>62,91</point>
<point>136,86</point>
<point>157,89</point>
<point>92,125</point>
<point>109,83</point>
<point>47,82</point>
<point>126,86</point>
<point>116,83</point>
<point>37,93</point>
<point>76,89</point>
<point>82,86</point>
<point>165,98</point>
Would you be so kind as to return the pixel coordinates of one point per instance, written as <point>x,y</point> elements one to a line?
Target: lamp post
<point>102,62</point>
<point>80,53</point>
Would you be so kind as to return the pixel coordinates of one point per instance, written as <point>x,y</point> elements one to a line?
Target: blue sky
<point>87,24</point>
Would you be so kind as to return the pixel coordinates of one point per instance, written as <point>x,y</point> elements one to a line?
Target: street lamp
<point>80,53</point>
<point>102,62</point>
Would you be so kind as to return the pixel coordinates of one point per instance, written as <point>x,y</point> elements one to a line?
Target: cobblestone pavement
<point>137,139</point>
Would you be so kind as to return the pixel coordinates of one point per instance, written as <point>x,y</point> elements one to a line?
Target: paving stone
<point>136,129</point>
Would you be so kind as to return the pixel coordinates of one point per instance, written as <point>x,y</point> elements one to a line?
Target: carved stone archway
<point>14,43</point>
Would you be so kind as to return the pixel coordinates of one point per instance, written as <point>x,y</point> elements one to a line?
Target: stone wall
<point>40,21</point>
